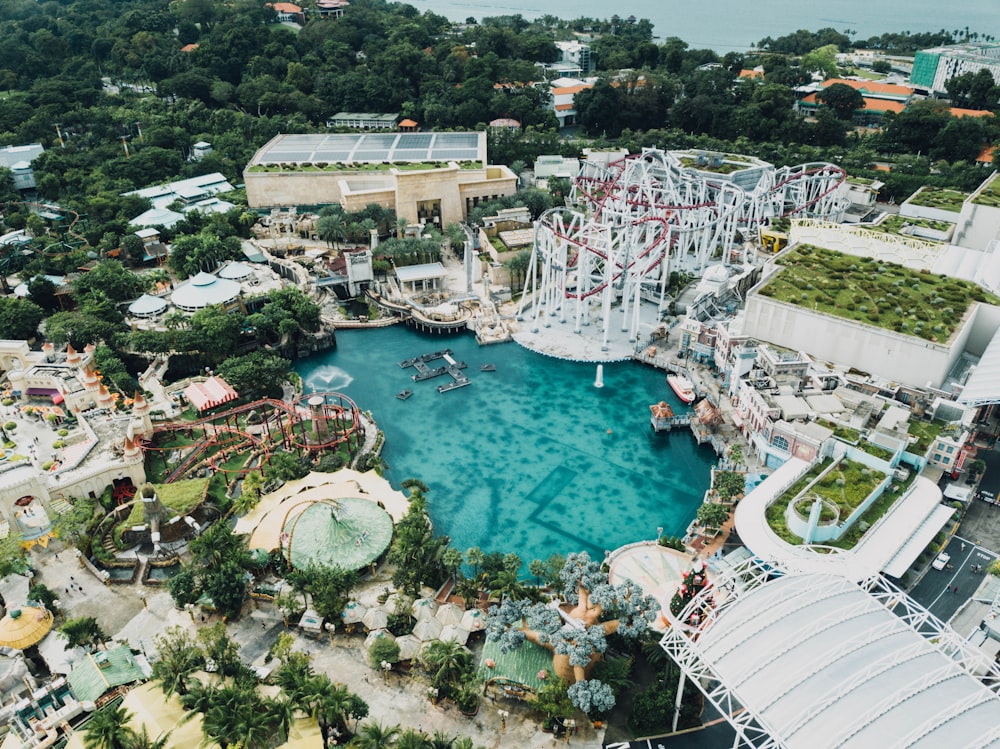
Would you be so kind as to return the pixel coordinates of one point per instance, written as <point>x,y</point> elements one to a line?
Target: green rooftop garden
<point>848,485</point>
<point>925,432</point>
<point>873,292</point>
<point>895,224</point>
<point>991,193</point>
<point>831,490</point>
<point>726,167</point>
<point>940,198</point>
<point>841,432</point>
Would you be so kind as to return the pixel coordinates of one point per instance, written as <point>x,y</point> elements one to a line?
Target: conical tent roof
<point>24,627</point>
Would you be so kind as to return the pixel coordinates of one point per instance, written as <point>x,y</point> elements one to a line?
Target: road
<point>942,592</point>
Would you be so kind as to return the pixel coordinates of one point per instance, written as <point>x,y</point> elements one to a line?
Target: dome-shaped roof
<point>203,291</point>
<point>348,532</point>
<point>147,306</point>
<point>236,271</point>
<point>24,627</point>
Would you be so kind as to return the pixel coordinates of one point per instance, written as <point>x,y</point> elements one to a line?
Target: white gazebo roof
<point>236,271</point>
<point>157,217</point>
<point>822,663</point>
<point>422,272</point>
<point>204,290</point>
<point>147,305</point>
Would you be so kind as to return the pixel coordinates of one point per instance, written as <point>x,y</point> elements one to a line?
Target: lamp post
<point>330,628</point>
<point>504,714</point>
<point>142,597</point>
<point>570,725</point>
<point>659,533</point>
<point>386,668</point>
<point>189,607</point>
<point>433,693</point>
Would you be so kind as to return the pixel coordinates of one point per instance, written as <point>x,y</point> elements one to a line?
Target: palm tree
<point>537,568</point>
<point>142,740</point>
<point>413,739</point>
<point>178,659</point>
<point>506,585</point>
<point>107,729</point>
<point>475,557</point>
<point>332,228</point>
<point>447,662</point>
<point>442,741</point>
<point>374,736</point>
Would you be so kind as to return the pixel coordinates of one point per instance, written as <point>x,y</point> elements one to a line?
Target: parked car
<point>942,561</point>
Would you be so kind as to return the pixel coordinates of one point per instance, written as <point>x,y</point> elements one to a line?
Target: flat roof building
<point>933,68</point>
<point>424,177</point>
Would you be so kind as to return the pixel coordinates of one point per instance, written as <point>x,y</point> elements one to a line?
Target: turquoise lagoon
<point>531,458</point>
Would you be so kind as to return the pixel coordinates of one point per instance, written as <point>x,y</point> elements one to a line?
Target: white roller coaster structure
<point>641,217</point>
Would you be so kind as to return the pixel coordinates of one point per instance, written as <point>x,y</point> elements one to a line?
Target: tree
<point>285,466</point>
<point>447,663</point>
<point>416,552</point>
<point>592,697</point>
<point>178,658</point>
<point>19,318</point>
<point>256,375</point>
<point>712,515</point>
<point>822,60</point>
<point>843,100</point>
<point>375,736</point>
<point>383,649</point>
<point>42,292</point>
<point>107,728</point>
<point>110,278</point>
<point>82,631</point>
<point>599,609</point>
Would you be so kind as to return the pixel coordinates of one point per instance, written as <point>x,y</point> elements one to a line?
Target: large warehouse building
<point>425,177</point>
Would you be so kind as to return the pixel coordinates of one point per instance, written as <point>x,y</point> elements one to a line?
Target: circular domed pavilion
<point>236,271</point>
<point>350,533</point>
<point>205,290</point>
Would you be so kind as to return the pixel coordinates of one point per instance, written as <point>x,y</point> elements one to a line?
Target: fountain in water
<point>599,381</point>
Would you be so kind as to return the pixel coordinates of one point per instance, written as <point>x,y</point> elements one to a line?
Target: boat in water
<point>683,387</point>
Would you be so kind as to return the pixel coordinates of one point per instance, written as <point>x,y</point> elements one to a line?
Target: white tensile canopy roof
<point>822,663</point>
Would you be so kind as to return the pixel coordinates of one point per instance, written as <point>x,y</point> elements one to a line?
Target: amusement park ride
<point>312,423</point>
<point>643,216</point>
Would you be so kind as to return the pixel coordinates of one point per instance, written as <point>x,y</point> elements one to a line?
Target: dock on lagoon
<point>451,367</point>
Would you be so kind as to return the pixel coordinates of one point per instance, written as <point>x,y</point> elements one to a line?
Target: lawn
<point>178,498</point>
<point>872,292</point>
<point>940,198</point>
<point>895,224</point>
<point>726,167</point>
<point>990,195</point>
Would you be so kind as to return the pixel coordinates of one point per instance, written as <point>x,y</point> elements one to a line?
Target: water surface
<point>531,458</point>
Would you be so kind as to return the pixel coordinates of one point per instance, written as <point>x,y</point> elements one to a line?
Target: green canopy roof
<point>103,670</point>
<point>349,533</point>
<point>520,666</point>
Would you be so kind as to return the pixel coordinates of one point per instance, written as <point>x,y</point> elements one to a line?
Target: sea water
<point>735,25</point>
<point>531,458</point>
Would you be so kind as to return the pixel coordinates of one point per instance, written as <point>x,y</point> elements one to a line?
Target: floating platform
<point>487,367</point>
<point>424,372</point>
<point>404,394</point>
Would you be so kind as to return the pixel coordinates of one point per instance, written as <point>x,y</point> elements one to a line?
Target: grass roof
<point>178,498</point>
<point>940,198</point>
<point>520,666</point>
<point>991,193</point>
<point>874,292</point>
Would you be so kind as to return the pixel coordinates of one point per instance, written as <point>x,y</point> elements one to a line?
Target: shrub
<point>63,432</point>
<point>10,426</point>
<point>383,649</point>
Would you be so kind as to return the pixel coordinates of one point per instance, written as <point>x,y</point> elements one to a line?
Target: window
<point>937,457</point>
<point>780,442</point>
<point>950,449</point>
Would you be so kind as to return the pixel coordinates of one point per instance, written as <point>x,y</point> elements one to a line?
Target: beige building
<point>425,177</point>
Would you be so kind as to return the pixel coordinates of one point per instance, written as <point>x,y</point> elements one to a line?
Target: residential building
<point>563,91</point>
<point>331,8</point>
<point>933,68</point>
<point>288,12</point>
<point>185,195</point>
<point>879,98</point>
<point>574,58</point>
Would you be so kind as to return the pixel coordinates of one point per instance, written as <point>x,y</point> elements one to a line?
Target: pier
<point>451,367</point>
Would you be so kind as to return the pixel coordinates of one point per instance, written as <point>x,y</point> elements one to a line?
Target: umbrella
<point>392,602</point>
<point>474,620</point>
<point>454,633</point>
<point>427,629</point>
<point>424,607</point>
<point>409,647</point>
<point>353,613</point>
<point>24,627</point>
<point>375,619</point>
<point>378,634</point>
<point>450,613</point>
